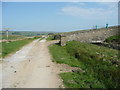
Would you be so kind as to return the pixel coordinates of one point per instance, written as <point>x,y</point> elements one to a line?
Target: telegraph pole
<point>7,32</point>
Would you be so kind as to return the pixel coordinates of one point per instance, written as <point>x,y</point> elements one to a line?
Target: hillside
<point>100,65</point>
<point>27,33</point>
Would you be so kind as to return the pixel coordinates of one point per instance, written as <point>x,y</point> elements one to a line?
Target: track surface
<point>31,67</point>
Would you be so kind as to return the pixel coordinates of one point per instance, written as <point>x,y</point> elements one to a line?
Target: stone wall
<point>89,36</point>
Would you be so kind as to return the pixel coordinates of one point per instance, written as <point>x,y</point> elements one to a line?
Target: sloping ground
<point>100,65</point>
<point>88,30</point>
<point>89,36</point>
<point>31,67</point>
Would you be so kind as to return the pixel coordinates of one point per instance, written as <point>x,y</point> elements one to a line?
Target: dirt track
<point>31,67</point>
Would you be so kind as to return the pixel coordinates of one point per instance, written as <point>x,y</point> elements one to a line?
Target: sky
<point>58,16</point>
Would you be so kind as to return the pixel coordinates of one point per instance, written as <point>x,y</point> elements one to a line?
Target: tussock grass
<point>101,65</point>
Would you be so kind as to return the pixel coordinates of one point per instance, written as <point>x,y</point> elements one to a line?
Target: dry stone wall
<point>89,36</point>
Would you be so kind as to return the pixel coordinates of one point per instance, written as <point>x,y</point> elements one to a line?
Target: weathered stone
<point>57,37</point>
<point>89,36</point>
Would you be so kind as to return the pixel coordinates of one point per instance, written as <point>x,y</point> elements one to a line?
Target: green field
<point>10,47</point>
<point>101,65</point>
<point>12,37</point>
<point>26,33</point>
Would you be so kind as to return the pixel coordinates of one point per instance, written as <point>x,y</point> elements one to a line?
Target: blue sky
<point>58,16</point>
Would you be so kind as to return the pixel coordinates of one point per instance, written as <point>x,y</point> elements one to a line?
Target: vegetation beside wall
<point>101,65</point>
<point>115,38</point>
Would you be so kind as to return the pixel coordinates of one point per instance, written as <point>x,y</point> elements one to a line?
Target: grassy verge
<point>10,47</point>
<point>101,65</point>
<point>51,37</point>
<point>0,49</point>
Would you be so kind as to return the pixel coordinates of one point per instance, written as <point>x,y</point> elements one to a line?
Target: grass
<point>12,37</point>
<point>0,49</point>
<point>115,38</point>
<point>51,37</point>
<point>101,65</point>
<point>10,47</point>
<point>60,55</point>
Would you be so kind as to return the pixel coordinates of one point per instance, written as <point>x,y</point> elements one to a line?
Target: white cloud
<point>78,11</point>
<point>90,14</point>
